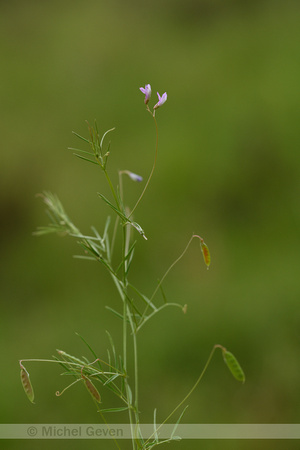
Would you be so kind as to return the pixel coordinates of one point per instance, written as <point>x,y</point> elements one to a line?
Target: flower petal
<point>161,100</point>
<point>147,91</point>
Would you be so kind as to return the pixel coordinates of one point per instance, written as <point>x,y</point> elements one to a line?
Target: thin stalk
<point>155,312</point>
<point>114,235</point>
<point>171,267</point>
<point>136,378</point>
<point>136,390</point>
<point>104,420</point>
<point>163,278</point>
<point>190,392</point>
<point>130,419</point>
<point>124,303</point>
<point>127,313</point>
<point>153,168</point>
<point>112,188</point>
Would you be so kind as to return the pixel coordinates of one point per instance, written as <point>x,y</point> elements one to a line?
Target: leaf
<point>40,231</point>
<point>80,137</point>
<point>233,365</point>
<point>107,223</point>
<point>88,238</point>
<point>115,312</point>
<point>129,256</point>
<point>113,348</point>
<point>112,378</point>
<point>177,423</point>
<point>155,426</point>
<point>139,229</point>
<point>123,217</point>
<point>73,374</point>
<point>71,358</point>
<point>88,247</point>
<point>122,408</point>
<point>90,348</point>
<point>143,297</point>
<point>108,131</point>
<point>129,397</point>
<point>70,369</point>
<point>86,159</point>
<point>162,292</point>
<point>79,150</point>
<point>89,258</point>
<point>134,307</point>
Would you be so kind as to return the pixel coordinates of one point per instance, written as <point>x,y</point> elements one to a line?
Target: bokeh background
<point>228,169</point>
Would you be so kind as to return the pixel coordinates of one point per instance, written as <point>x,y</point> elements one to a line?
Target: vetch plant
<point>136,308</point>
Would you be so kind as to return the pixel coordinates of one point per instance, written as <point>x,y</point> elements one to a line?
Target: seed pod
<point>27,384</point>
<point>205,252</point>
<point>233,366</point>
<point>92,389</point>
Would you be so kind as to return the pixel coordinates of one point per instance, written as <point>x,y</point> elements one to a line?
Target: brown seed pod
<point>92,389</point>
<point>27,384</point>
<point>206,254</point>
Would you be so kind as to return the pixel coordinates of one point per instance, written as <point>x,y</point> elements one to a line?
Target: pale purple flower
<point>147,91</point>
<point>161,100</point>
<point>134,176</point>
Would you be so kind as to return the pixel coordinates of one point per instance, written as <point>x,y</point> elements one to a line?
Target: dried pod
<point>27,384</point>
<point>92,389</point>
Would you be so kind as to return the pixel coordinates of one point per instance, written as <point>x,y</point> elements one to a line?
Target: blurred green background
<point>228,169</point>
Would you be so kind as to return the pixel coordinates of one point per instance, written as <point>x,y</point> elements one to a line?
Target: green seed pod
<point>92,389</point>
<point>233,366</point>
<point>27,384</point>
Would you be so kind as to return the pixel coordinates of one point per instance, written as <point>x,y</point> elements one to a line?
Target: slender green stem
<point>163,278</point>
<point>190,392</point>
<point>112,188</point>
<point>47,360</point>
<point>155,312</point>
<point>152,171</point>
<point>124,302</point>
<point>124,335</point>
<point>114,235</point>
<point>126,317</point>
<point>105,421</point>
<point>135,356</point>
<point>136,377</point>
<point>171,267</point>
